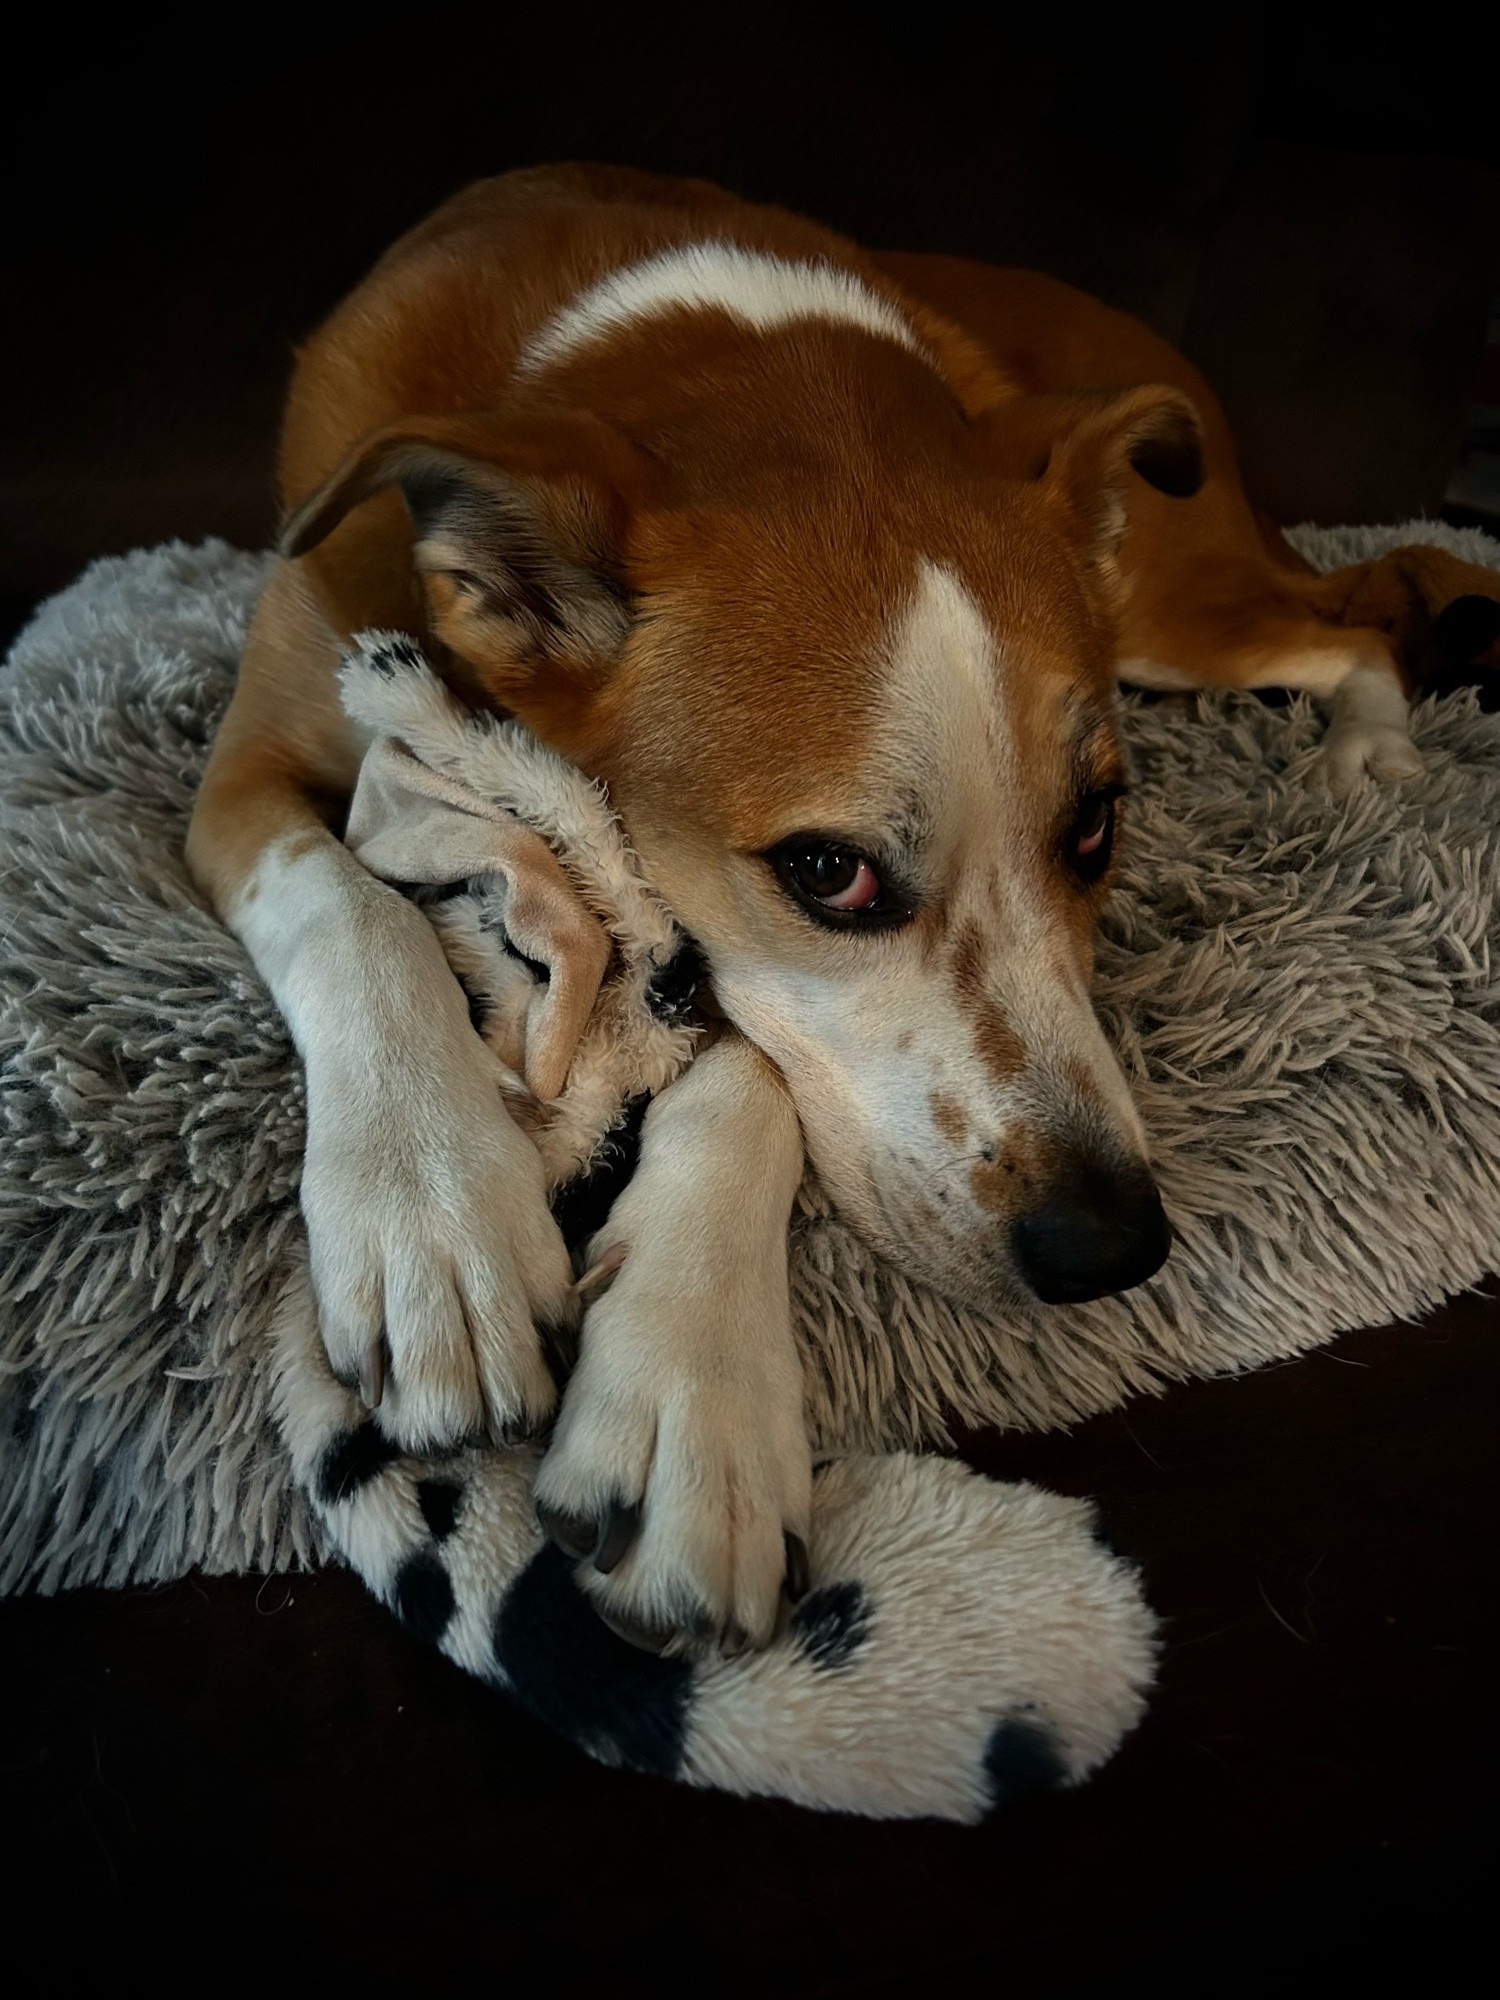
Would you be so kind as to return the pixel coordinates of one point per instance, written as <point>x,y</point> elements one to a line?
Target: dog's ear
<point>518,521</point>
<point>1083,446</point>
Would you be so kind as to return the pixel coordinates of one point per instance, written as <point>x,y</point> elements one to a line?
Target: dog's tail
<point>963,1641</point>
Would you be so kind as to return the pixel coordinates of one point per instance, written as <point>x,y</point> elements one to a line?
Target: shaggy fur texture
<point>1302,993</point>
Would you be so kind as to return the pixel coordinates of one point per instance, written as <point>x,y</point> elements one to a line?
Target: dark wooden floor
<point>274,1768</point>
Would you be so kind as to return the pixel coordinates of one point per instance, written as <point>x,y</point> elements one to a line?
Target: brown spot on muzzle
<point>948,1116</point>
<point>1009,1182</point>
<point>1000,1048</point>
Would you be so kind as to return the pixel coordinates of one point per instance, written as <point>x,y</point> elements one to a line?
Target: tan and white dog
<point>827,565</point>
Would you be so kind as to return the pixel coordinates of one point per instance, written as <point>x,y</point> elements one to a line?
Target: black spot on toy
<point>439,1500</point>
<point>583,1680</point>
<point>351,1461</point>
<point>424,1595</point>
<point>392,653</point>
<point>406,653</point>
<point>831,1625</point>
<point>1021,1760</point>
<point>581,1205</point>
<point>673,988</point>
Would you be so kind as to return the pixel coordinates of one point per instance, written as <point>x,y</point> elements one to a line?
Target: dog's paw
<point>679,1473</point>
<point>439,1273</point>
<point>1384,752</point>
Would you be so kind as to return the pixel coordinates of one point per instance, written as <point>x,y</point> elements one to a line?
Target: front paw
<point>440,1275</point>
<point>679,1474</point>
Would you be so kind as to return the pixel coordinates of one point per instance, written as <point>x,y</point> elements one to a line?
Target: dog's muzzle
<point>1098,1229</point>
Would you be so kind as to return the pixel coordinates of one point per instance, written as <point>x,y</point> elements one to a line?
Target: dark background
<point>1307,204</point>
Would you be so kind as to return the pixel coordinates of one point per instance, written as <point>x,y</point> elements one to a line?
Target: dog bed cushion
<point>1301,991</point>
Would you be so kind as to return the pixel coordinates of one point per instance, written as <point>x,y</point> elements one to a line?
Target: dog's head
<point>844,655</point>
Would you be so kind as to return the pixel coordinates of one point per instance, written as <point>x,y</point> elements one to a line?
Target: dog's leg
<point>1350,671</point>
<point>433,1254</point>
<point>680,1468</point>
<point>1368,729</point>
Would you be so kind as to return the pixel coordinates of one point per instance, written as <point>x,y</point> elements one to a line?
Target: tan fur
<point>1210,587</point>
<point>764,497</point>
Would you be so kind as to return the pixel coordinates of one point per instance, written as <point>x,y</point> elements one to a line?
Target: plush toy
<point>961,1641</point>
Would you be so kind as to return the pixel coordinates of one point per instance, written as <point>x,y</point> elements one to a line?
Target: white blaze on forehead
<point>954,727</point>
<point>946,670</point>
<point>758,290</point>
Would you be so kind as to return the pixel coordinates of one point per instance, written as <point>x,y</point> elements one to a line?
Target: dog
<point>827,565</point>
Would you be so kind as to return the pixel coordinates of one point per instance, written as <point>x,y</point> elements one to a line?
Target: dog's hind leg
<point>1351,669</point>
<point>1368,729</point>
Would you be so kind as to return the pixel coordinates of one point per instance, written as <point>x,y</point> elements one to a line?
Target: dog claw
<point>372,1376</point>
<point>615,1537</point>
<point>646,1638</point>
<point>798,1577</point>
<point>601,1275</point>
<point>522,1430</point>
<point>574,1535</point>
<point>604,1541</point>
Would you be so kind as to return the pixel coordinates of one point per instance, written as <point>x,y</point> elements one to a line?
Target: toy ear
<point>1083,446</point>
<point>518,522</point>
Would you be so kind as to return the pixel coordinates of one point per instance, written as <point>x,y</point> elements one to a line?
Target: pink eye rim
<point>1090,843</point>
<point>838,882</point>
<point>1089,846</point>
<point>861,893</point>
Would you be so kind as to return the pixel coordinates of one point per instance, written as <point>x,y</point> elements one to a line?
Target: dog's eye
<point>1092,835</point>
<point>840,878</point>
<point>835,880</point>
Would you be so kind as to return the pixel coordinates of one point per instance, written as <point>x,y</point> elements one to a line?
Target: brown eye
<point>831,878</point>
<point>838,877</point>
<point>1092,836</point>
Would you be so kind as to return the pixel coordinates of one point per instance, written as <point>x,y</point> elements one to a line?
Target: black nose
<point>1100,1229</point>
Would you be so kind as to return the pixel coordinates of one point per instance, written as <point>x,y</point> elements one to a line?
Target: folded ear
<point>518,524</point>
<point>1083,447</point>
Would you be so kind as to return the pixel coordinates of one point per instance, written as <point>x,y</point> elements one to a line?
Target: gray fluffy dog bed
<point>1301,992</point>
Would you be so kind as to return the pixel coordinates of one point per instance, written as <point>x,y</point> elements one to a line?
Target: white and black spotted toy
<point>959,1641</point>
